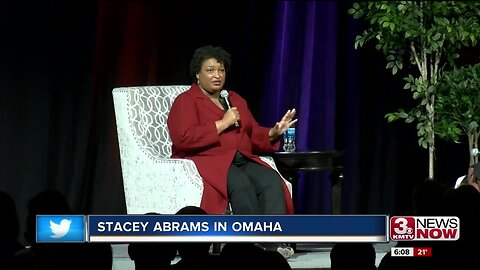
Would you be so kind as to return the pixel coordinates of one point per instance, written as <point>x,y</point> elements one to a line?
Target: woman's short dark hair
<point>206,52</point>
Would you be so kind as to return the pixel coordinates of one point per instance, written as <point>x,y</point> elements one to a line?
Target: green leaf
<point>391,117</point>
<point>437,36</point>
<point>423,143</point>
<point>394,70</point>
<point>418,114</point>
<point>399,64</point>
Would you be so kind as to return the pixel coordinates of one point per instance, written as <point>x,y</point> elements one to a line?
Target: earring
<point>198,80</point>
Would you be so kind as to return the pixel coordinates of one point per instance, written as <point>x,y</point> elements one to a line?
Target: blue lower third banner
<point>237,228</point>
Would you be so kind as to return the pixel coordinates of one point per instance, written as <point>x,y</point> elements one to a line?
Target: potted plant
<point>458,107</point>
<point>426,36</point>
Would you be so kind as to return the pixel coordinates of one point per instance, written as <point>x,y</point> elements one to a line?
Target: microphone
<point>227,103</point>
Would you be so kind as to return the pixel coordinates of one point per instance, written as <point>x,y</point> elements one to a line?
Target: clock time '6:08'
<point>411,251</point>
<point>402,251</point>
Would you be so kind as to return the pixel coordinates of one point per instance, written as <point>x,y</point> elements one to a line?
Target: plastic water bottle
<point>289,140</point>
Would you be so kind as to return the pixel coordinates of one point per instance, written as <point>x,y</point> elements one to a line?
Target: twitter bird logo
<point>60,230</point>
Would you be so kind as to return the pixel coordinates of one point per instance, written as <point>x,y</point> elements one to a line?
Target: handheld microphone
<point>227,102</point>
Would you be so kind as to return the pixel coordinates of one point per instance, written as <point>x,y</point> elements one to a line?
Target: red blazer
<point>191,123</point>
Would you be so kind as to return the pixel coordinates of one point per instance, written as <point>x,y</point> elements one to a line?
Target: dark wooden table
<point>291,163</point>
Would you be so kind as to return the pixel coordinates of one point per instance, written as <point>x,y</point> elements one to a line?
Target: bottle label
<point>289,140</point>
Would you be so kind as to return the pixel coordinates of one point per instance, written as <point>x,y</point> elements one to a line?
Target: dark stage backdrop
<point>60,61</point>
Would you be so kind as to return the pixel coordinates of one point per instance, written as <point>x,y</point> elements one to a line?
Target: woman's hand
<point>281,126</point>
<point>230,117</point>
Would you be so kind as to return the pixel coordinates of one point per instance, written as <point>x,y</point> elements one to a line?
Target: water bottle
<point>289,140</point>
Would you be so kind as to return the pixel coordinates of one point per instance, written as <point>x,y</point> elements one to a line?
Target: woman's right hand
<point>229,118</point>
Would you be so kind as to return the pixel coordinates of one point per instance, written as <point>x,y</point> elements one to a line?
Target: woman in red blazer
<point>221,139</point>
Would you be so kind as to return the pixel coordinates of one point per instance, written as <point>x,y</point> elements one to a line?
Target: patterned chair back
<point>148,112</point>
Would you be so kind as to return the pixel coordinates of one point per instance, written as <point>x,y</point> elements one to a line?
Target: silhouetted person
<point>9,229</point>
<point>54,256</point>
<point>471,178</point>
<point>152,256</point>
<point>428,198</point>
<point>463,202</point>
<point>250,256</point>
<point>352,256</point>
<point>195,255</point>
<point>43,255</point>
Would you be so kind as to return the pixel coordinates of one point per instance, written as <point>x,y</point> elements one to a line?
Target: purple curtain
<point>303,76</point>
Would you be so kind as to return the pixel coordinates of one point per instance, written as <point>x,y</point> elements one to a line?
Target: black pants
<point>254,189</point>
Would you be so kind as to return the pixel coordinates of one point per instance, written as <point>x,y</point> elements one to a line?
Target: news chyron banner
<point>409,228</point>
<point>214,228</point>
<point>236,228</point>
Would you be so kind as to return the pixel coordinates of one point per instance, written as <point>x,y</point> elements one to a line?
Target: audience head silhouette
<point>464,202</point>
<point>191,210</point>
<point>187,250</point>
<point>54,256</point>
<point>195,255</point>
<point>349,256</point>
<point>150,256</point>
<point>9,229</point>
<point>48,202</point>
<point>234,254</point>
<point>428,197</point>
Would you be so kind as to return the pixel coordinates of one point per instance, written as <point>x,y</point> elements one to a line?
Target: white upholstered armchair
<point>152,181</point>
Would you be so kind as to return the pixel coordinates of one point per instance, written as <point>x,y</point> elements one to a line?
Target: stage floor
<point>308,256</point>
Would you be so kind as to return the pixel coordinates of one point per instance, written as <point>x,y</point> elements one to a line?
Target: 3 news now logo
<point>424,228</point>
<point>60,228</point>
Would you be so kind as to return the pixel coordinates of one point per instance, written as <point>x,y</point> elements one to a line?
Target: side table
<point>290,163</point>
